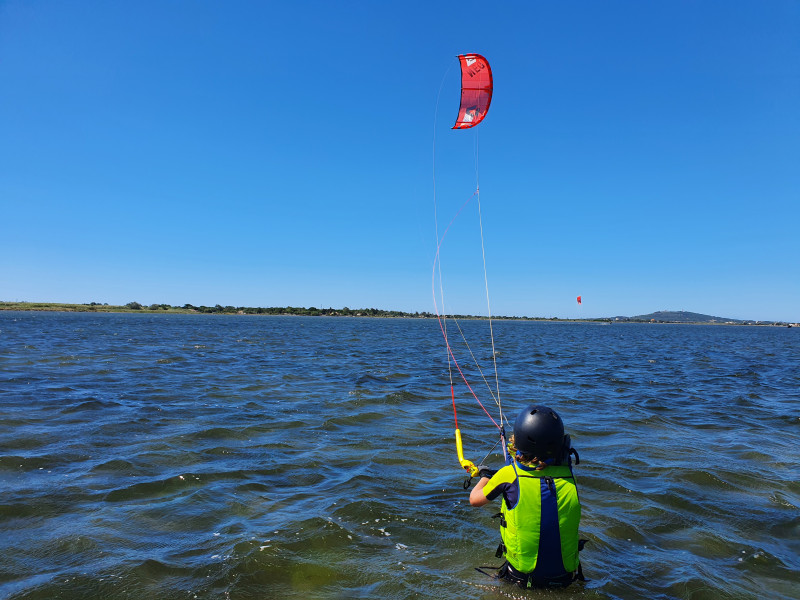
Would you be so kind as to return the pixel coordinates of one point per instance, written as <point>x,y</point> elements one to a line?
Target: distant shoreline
<point>135,307</point>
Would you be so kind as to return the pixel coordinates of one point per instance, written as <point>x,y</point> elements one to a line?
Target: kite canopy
<point>579,299</point>
<point>476,90</point>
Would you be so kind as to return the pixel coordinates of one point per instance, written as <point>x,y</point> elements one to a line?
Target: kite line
<point>476,96</point>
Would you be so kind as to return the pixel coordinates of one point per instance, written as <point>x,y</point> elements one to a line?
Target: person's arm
<point>476,496</point>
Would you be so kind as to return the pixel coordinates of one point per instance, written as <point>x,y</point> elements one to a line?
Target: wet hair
<point>524,459</point>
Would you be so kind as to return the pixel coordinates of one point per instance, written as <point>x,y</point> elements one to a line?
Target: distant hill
<point>681,316</point>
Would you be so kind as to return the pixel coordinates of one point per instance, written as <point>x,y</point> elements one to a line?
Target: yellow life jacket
<point>540,516</point>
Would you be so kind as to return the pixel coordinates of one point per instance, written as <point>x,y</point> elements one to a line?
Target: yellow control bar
<point>468,465</point>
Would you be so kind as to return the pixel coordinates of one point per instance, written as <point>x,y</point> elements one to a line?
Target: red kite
<point>476,90</point>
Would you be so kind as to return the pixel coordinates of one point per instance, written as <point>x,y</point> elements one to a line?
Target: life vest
<point>539,520</point>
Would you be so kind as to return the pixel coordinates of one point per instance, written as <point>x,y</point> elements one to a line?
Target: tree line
<point>311,311</point>
<point>282,310</point>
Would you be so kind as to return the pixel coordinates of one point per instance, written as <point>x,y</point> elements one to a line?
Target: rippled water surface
<point>199,456</point>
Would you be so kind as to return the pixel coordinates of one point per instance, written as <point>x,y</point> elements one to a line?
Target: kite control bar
<point>467,465</point>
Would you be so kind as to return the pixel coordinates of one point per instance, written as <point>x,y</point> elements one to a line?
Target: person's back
<point>541,511</point>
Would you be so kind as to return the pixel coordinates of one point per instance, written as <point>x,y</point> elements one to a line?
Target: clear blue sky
<point>642,155</point>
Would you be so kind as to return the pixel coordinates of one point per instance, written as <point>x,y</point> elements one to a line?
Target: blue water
<point>209,456</point>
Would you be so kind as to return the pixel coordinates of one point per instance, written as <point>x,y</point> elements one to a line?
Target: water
<point>202,456</point>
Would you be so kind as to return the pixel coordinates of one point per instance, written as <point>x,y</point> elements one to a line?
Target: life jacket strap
<point>501,549</point>
<point>495,575</point>
<point>523,476</point>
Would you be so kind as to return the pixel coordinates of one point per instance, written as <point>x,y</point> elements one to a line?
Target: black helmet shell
<point>539,432</point>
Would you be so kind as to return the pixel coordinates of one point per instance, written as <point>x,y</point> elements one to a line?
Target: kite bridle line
<point>437,263</point>
<point>475,360</point>
<point>486,284</point>
<point>466,464</point>
<point>489,312</point>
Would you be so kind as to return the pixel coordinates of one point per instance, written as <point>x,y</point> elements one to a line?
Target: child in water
<point>540,511</point>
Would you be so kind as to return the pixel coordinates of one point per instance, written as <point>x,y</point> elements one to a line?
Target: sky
<point>642,155</point>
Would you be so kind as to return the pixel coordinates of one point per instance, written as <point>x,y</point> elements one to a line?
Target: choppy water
<point>183,456</point>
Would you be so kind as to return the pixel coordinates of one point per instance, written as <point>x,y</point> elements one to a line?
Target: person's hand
<point>484,471</point>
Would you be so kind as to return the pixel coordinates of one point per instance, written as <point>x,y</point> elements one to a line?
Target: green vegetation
<point>231,310</point>
<point>656,317</point>
<point>89,307</point>
<point>217,309</point>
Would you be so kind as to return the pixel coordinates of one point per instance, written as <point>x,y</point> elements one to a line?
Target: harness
<point>529,580</point>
